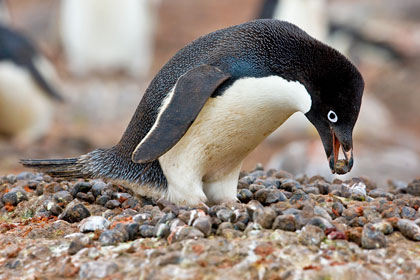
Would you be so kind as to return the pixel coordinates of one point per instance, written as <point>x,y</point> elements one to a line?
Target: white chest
<point>232,125</point>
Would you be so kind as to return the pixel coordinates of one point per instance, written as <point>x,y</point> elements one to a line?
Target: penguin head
<point>336,88</point>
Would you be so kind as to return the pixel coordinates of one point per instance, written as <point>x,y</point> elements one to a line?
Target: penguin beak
<point>336,165</point>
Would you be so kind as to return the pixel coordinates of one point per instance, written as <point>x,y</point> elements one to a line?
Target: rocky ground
<point>282,227</point>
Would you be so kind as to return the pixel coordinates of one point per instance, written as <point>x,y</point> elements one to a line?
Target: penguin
<point>214,101</point>
<point>109,35</point>
<point>26,90</point>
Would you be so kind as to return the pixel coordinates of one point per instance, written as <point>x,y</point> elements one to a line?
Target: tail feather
<point>66,168</point>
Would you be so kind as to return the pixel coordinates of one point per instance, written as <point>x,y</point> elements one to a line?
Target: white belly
<point>232,125</point>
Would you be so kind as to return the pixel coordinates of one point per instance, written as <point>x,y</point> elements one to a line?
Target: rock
<point>183,233</point>
<point>132,203</point>
<point>74,213</point>
<point>379,193</point>
<point>354,235</point>
<point>115,235</point>
<point>256,187</point>
<point>371,215</point>
<point>252,206</point>
<point>337,209</point>
<point>311,235</point>
<point>391,212</point>
<point>244,195</point>
<point>352,212</point>
<point>223,226</point>
<point>14,196</point>
<point>285,222</point>
<point>385,227</point>
<point>358,222</point>
<point>142,217</point>
<point>162,230</point>
<point>86,196</point>
<point>409,229</point>
<point>97,187</point>
<point>298,197</point>
<point>80,187</point>
<point>319,211</point>
<point>203,223</point>
<point>311,189</point>
<point>166,218</point>
<point>97,269</point>
<point>111,204</point>
<point>225,215</point>
<point>102,199</point>
<point>321,222</point>
<point>408,213</point>
<point>230,233</point>
<point>78,244</point>
<point>264,217</point>
<point>372,238</point>
<point>93,223</point>
<point>63,197</point>
<point>147,231</point>
<point>413,187</point>
<point>25,176</point>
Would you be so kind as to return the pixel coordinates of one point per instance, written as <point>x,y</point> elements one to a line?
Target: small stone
<point>86,196</point>
<point>223,226</point>
<point>39,189</point>
<point>25,176</point>
<point>133,231</point>
<point>319,211</point>
<point>162,230</point>
<point>132,203</point>
<point>310,189</point>
<point>141,218</point>
<point>11,178</point>
<point>63,197</point>
<point>78,244</point>
<point>187,232</point>
<point>311,235</point>
<point>147,231</point>
<point>408,213</point>
<point>111,237</point>
<point>385,227</point>
<point>285,222</point>
<point>371,215</point>
<point>14,196</point>
<point>74,213</point>
<point>354,235</point>
<point>102,199</point>
<point>97,187</point>
<point>372,238</point>
<point>97,269</point>
<point>203,223</point>
<point>298,197</point>
<point>413,188</point>
<point>321,222</point>
<point>379,193</point>
<point>252,206</point>
<point>230,233</point>
<point>226,215</point>
<point>93,223</point>
<point>111,204</point>
<point>244,195</point>
<point>56,210</point>
<point>391,212</point>
<point>409,229</point>
<point>256,187</point>
<point>358,222</point>
<point>264,217</point>
<point>80,187</point>
<point>352,212</point>
<point>337,209</point>
<point>166,218</point>
<point>283,174</point>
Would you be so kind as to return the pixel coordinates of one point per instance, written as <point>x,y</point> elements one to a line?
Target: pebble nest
<point>281,227</point>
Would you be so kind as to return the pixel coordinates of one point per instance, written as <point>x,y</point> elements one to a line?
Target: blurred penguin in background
<point>26,87</point>
<point>107,35</point>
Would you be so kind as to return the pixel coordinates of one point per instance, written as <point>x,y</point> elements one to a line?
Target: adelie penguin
<point>215,101</point>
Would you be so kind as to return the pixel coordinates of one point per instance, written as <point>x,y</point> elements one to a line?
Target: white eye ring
<point>332,116</point>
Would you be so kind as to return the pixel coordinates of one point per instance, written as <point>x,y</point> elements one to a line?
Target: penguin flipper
<point>176,116</point>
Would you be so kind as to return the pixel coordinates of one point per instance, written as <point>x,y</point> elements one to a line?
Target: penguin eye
<point>332,116</point>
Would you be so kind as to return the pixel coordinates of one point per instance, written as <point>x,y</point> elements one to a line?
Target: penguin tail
<point>65,168</point>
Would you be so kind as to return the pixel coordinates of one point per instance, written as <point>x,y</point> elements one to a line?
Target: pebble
<point>186,232</point>
<point>203,223</point>
<point>385,227</point>
<point>311,235</point>
<point>78,244</point>
<point>80,187</point>
<point>379,193</point>
<point>147,230</point>
<point>408,213</point>
<point>413,187</point>
<point>63,197</point>
<point>102,199</point>
<point>97,269</point>
<point>409,229</point>
<point>321,222</point>
<point>111,204</point>
<point>74,213</point>
<point>97,187</point>
<point>372,238</point>
<point>162,230</point>
<point>244,195</point>
<point>93,223</point>
<point>264,217</point>
<point>298,197</point>
<point>285,222</point>
<point>14,196</point>
<point>226,215</point>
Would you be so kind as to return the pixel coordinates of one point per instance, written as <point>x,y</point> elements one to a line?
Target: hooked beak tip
<point>341,166</point>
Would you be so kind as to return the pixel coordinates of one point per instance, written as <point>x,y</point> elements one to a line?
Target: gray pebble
<point>226,215</point>
<point>102,199</point>
<point>409,229</point>
<point>63,197</point>
<point>93,223</point>
<point>244,195</point>
<point>264,217</point>
<point>74,213</point>
<point>408,213</point>
<point>384,226</point>
<point>162,230</point>
<point>14,196</point>
<point>203,223</point>
<point>372,238</point>
<point>80,187</point>
<point>298,197</point>
<point>97,187</point>
<point>97,269</point>
<point>311,235</point>
<point>285,222</point>
<point>147,231</point>
<point>321,222</point>
<point>187,232</point>
<point>111,204</point>
<point>413,187</point>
